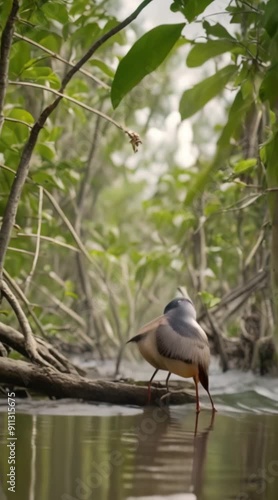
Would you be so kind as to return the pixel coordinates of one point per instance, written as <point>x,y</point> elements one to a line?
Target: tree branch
<point>219,342</point>
<point>30,343</point>
<point>38,241</point>
<point>15,340</point>
<point>102,40</point>
<point>72,314</point>
<point>85,185</point>
<point>8,119</point>
<point>71,99</point>
<point>59,58</point>
<point>69,225</point>
<point>14,286</point>
<point>6,43</point>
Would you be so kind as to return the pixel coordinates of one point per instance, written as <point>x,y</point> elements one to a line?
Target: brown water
<point>75,451</point>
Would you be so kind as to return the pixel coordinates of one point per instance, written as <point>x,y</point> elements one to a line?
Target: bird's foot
<point>165,396</point>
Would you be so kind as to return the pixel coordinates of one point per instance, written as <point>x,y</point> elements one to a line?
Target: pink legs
<point>149,385</point>
<point>197,394</point>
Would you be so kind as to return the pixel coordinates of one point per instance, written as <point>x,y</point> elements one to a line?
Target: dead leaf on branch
<point>135,140</point>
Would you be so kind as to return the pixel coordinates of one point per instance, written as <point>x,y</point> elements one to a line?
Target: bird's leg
<point>149,385</point>
<point>212,403</point>
<point>167,380</point>
<point>197,394</point>
<point>167,387</point>
<point>212,420</point>
<point>196,424</point>
<point>203,377</point>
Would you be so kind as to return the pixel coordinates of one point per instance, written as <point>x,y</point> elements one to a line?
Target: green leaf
<point>46,179</point>
<point>85,34</point>
<point>52,42</point>
<point>43,178</point>
<point>20,55</point>
<point>56,10</point>
<point>271,18</point>
<point>69,290</point>
<point>103,67</point>
<point>46,150</point>
<point>212,207</point>
<point>268,89</point>
<point>235,119</point>
<point>236,115</point>
<point>209,299</point>
<point>143,58</point>
<point>271,154</point>
<point>202,52</point>
<point>42,75</point>
<point>21,114</point>
<point>244,165</point>
<point>190,8</point>
<point>198,96</point>
<point>216,30</point>
<point>20,129</point>
<point>5,9</point>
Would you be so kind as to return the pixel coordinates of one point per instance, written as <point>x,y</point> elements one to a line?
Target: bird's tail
<point>203,377</point>
<point>135,339</point>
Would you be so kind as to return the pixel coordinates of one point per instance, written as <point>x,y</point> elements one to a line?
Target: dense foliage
<point>100,233</point>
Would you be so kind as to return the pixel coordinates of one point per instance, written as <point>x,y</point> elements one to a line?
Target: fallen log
<point>49,382</point>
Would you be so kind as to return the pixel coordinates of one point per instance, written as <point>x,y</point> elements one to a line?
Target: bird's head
<point>181,305</point>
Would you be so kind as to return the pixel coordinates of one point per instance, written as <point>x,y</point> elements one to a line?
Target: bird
<point>175,342</point>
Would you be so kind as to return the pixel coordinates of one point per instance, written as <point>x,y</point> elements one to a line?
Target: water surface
<point>75,451</point>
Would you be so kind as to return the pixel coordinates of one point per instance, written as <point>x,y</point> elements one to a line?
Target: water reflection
<point>169,453</point>
<point>147,453</point>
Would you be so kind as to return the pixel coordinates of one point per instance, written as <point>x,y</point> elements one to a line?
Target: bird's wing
<point>189,344</point>
<point>148,328</point>
<point>153,325</point>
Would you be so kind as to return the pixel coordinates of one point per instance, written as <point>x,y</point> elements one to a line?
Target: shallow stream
<point>73,451</point>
